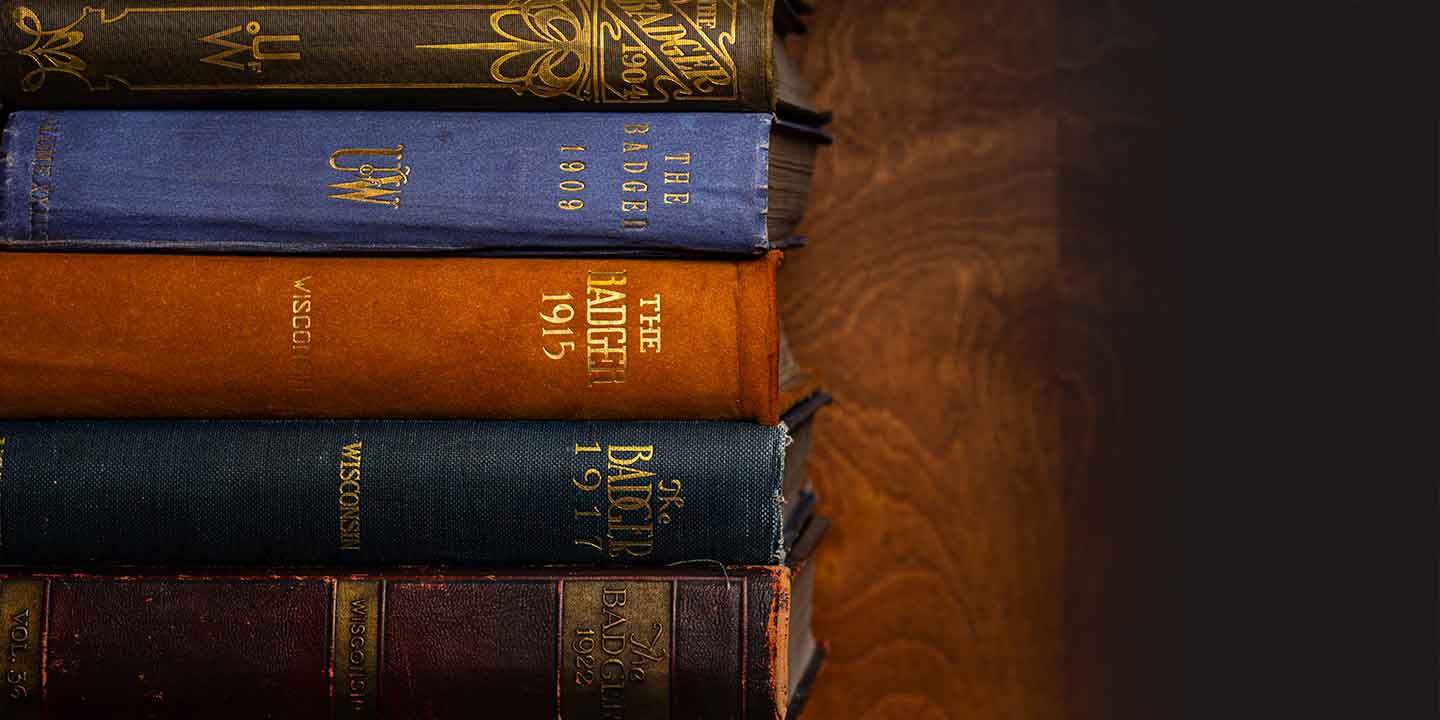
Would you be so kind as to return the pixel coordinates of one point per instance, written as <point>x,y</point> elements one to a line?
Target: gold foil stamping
<point>357,649</point>
<point>616,643</point>
<point>22,607</point>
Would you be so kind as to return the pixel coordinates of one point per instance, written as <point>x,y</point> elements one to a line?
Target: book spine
<point>385,182</point>
<point>389,492</point>
<point>158,335</point>
<point>577,646</point>
<point>551,55</point>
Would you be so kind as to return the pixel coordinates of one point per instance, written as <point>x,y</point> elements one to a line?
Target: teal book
<point>399,492</point>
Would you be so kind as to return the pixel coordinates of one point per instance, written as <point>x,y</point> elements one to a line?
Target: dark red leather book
<point>571,644</point>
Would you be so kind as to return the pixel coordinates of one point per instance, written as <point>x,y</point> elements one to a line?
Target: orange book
<point>112,335</point>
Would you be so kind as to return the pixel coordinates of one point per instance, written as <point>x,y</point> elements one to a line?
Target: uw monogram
<point>230,48</point>
<point>375,174</point>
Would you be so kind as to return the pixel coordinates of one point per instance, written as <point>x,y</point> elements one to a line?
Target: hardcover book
<point>351,182</point>
<point>500,55</point>
<point>165,336</point>
<point>677,643</point>
<point>369,493</point>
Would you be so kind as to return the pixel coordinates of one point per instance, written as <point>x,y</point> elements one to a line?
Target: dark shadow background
<point>1119,303</point>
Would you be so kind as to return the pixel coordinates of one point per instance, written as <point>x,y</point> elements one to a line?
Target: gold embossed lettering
<point>355,663</point>
<point>606,360</point>
<point>22,612</point>
<point>572,186</point>
<point>590,479</point>
<point>572,182</point>
<point>629,522</point>
<point>678,49</point>
<point>706,13</point>
<point>650,324</point>
<point>633,60</point>
<point>621,521</point>
<point>606,352</point>
<point>630,454</point>
<point>560,313</point>
<point>302,337</point>
<point>677,177</point>
<point>631,51</point>
<point>583,647</point>
<point>349,500</point>
<point>629,207</point>
<point>608,327</point>
<point>371,184</point>
<point>228,49</point>
<point>670,500</point>
<point>604,306</point>
<point>258,54</point>
<point>618,642</point>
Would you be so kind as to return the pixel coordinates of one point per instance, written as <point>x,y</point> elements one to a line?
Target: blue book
<point>416,182</point>
<point>400,492</point>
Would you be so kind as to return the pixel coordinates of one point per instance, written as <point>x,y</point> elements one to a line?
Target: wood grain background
<point>991,296</point>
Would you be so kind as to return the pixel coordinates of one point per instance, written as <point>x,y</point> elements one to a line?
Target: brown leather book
<point>579,645</point>
<point>116,335</point>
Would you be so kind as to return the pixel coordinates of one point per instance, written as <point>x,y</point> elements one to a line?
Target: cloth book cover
<point>399,182</point>
<point>375,493</point>
<point>698,55</point>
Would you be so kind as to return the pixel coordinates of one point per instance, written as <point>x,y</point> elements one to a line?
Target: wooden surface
<point>991,298</point>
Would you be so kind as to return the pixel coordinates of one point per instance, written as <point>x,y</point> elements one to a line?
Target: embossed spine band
<point>617,640</point>
<point>22,610</point>
<point>355,664</point>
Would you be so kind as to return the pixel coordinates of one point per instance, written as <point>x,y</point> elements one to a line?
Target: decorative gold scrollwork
<point>49,49</point>
<point>550,36</point>
<point>548,21</point>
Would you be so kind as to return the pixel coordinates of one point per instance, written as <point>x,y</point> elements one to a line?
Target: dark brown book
<point>579,645</point>
<point>505,55</point>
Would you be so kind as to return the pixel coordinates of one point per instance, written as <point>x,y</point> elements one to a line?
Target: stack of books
<point>405,360</point>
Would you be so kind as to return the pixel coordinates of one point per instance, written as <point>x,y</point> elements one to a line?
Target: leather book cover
<point>500,55</point>
<point>143,335</point>
<point>339,181</point>
<point>578,645</point>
